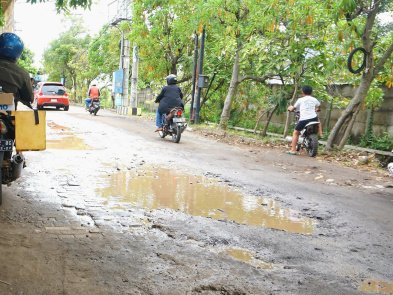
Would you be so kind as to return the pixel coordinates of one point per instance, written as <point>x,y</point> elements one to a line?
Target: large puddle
<point>158,188</point>
<point>378,287</point>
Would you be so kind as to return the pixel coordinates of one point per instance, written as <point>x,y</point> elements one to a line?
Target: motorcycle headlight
<point>3,127</point>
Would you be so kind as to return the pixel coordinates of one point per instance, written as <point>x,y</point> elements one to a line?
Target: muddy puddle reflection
<point>377,287</point>
<point>157,188</point>
<point>64,139</point>
<point>248,257</point>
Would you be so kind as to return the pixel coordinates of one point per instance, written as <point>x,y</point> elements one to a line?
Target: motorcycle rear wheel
<point>312,147</point>
<point>1,177</point>
<point>176,135</point>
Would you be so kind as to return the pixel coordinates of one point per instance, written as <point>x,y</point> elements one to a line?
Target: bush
<point>382,143</point>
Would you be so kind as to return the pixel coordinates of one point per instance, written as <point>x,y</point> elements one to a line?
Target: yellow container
<point>30,136</point>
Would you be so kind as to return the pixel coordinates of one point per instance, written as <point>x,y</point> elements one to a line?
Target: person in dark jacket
<point>170,97</point>
<point>14,79</point>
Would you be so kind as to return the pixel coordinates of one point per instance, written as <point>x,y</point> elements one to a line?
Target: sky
<point>39,24</point>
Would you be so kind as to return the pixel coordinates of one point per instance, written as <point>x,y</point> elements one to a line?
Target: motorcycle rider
<point>170,97</point>
<point>94,95</point>
<point>14,79</point>
<point>308,106</point>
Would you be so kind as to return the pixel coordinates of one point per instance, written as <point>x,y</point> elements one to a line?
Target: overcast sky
<point>39,24</point>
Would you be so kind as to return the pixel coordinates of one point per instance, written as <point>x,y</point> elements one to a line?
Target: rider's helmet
<point>171,79</point>
<point>390,168</point>
<point>11,46</point>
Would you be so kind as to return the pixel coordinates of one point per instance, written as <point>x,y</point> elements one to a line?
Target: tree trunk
<point>288,113</point>
<point>261,114</point>
<point>231,91</point>
<point>348,129</point>
<point>328,116</point>
<point>269,118</point>
<point>369,123</point>
<point>339,131</point>
<point>73,78</point>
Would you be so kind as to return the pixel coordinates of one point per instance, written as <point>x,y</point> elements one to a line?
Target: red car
<point>51,94</point>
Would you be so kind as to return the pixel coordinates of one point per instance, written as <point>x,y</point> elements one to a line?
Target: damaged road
<point>110,208</point>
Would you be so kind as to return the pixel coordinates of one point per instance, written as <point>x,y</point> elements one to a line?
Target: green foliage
<point>382,143</point>
<point>67,57</point>
<point>65,5</point>
<point>374,97</point>
<point>26,61</point>
<point>104,52</point>
<point>301,42</point>
<point>1,16</point>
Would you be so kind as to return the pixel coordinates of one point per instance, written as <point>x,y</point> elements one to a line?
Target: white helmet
<point>390,168</point>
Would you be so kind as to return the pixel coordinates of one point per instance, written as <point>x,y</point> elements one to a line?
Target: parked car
<point>51,94</point>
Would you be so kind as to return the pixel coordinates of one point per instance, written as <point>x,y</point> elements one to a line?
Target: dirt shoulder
<point>363,162</point>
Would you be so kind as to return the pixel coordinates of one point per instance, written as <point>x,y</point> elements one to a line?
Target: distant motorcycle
<point>174,124</point>
<point>308,138</point>
<point>94,107</point>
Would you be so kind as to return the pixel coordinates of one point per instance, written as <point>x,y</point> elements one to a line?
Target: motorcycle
<point>308,138</point>
<point>19,131</point>
<point>12,162</point>
<point>390,167</point>
<point>174,124</point>
<point>94,107</point>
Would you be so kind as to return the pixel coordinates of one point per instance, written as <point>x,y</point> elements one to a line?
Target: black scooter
<point>94,107</point>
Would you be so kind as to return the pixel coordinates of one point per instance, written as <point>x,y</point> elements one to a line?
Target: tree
<point>239,20</point>
<point>26,61</point>
<point>65,5</point>
<point>103,53</point>
<point>163,32</point>
<point>378,53</point>
<point>67,57</point>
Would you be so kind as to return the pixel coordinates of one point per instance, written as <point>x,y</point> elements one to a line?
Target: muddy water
<point>157,188</point>
<point>248,257</point>
<point>68,143</point>
<point>67,140</point>
<point>378,287</point>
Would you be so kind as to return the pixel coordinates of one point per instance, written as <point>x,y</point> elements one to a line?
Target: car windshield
<point>53,89</point>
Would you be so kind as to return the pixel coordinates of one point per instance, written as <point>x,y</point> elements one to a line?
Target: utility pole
<point>134,80</point>
<point>198,98</point>
<point>124,66</point>
<point>194,78</point>
<point>126,72</point>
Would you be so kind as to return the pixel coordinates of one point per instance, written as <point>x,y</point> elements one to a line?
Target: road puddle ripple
<point>375,286</point>
<point>158,188</point>
<point>248,257</point>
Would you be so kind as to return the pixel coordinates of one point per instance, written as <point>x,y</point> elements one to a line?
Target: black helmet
<point>11,46</point>
<point>171,79</point>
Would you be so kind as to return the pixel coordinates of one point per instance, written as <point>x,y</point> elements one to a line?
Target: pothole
<point>159,188</point>
<point>376,286</point>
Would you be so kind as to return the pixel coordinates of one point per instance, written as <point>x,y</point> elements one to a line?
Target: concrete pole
<point>194,75</point>
<point>201,56</point>
<point>126,72</point>
<point>121,49</point>
<point>134,79</point>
